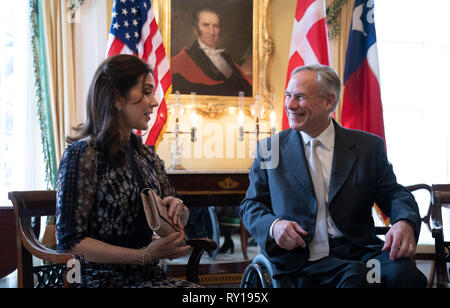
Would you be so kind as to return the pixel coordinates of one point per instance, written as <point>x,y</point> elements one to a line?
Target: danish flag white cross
<point>299,42</point>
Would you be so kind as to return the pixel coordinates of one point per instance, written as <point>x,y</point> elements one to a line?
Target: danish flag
<point>309,43</point>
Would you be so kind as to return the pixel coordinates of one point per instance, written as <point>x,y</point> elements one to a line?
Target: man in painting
<point>203,68</point>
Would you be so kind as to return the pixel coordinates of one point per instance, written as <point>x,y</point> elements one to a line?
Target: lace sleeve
<point>76,185</point>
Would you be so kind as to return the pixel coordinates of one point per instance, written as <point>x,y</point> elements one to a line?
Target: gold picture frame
<point>214,105</point>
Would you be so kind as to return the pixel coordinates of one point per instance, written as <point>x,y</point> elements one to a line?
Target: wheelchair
<point>259,273</point>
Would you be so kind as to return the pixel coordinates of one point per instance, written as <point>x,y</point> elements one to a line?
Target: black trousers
<point>352,266</point>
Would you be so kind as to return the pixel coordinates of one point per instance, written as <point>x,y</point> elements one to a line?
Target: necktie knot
<point>213,52</point>
<point>314,143</point>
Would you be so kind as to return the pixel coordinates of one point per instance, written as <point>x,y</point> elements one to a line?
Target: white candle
<point>194,119</point>
<point>273,119</point>
<point>241,118</point>
<point>177,108</point>
<point>193,94</point>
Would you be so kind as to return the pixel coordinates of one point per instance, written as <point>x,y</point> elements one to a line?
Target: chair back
<point>425,219</point>
<point>441,194</point>
<point>441,199</point>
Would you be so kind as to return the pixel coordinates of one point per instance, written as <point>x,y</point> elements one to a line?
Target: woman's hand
<point>176,211</point>
<point>170,247</point>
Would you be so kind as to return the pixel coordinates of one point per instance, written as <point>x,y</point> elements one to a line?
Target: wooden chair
<point>29,206</point>
<point>441,199</point>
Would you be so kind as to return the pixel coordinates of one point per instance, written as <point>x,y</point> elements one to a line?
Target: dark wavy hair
<point>113,78</point>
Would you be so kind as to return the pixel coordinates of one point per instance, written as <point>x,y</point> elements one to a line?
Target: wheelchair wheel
<point>256,276</point>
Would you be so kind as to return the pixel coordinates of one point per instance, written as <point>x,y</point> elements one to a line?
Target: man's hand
<point>288,234</point>
<point>400,239</point>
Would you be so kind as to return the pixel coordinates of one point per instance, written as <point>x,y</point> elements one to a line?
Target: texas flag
<point>361,107</point>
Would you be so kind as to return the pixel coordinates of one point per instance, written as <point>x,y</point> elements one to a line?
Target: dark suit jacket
<point>360,176</point>
<point>214,82</point>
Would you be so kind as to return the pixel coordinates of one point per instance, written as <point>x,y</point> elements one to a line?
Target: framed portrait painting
<point>219,50</point>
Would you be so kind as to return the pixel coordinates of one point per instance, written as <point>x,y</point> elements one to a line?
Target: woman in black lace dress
<point>99,209</point>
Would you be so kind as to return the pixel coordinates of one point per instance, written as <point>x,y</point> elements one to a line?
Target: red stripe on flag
<point>153,28</point>
<point>166,81</point>
<point>316,36</point>
<point>148,49</point>
<point>160,53</point>
<point>295,61</point>
<point>156,77</point>
<point>161,118</point>
<point>302,6</point>
<point>363,109</point>
<point>116,48</point>
<point>148,45</point>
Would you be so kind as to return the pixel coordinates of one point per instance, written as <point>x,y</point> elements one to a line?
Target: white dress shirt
<point>325,153</point>
<point>215,56</point>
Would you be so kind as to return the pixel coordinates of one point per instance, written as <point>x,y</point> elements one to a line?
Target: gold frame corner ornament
<point>263,47</point>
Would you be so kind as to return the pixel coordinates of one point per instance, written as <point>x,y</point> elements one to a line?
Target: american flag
<point>134,31</point>
<point>309,43</point>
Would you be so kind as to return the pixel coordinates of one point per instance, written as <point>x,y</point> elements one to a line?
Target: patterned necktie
<point>319,247</point>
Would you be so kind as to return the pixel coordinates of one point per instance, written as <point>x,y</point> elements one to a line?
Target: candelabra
<point>177,111</point>
<point>257,111</point>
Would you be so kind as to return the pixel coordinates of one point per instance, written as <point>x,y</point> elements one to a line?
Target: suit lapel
<point>294,156</point>
<point>343,160</point>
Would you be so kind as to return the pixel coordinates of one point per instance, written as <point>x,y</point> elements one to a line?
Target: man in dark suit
<point>203,68</point>
<point>311,210</point>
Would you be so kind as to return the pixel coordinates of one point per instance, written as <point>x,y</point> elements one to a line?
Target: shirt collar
<point>209,49</point>
<point>326,137</point>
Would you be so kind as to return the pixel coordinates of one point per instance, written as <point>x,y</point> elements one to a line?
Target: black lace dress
<point>102,202</point>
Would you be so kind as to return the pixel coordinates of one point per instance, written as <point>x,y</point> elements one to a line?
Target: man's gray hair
<point>328,79</point>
